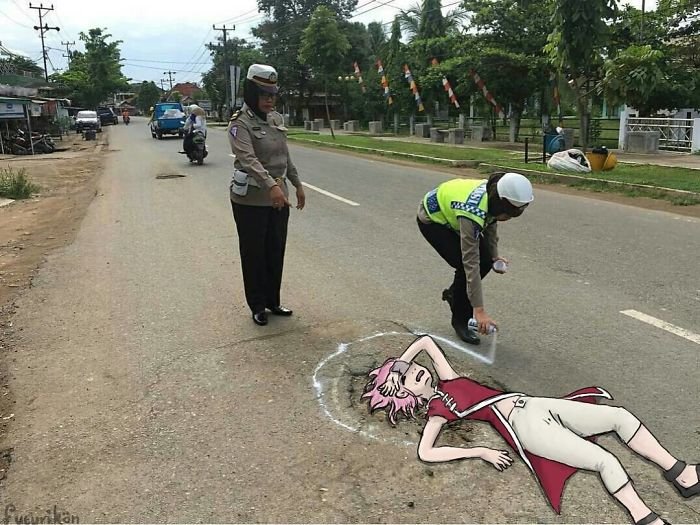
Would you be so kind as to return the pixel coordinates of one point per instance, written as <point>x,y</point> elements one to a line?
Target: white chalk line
<point>329,194</point>
<point>343,347</point>
<point>658,323</point>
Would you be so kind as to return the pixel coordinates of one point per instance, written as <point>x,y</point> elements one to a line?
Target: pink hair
<point>402,402</point>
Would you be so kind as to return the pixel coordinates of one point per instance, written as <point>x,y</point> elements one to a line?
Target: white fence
<point>674,134</point>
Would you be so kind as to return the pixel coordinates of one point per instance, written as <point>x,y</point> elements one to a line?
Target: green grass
<point>648,174</point>
<point>15,184</point>
<point>651,175</point>
<point>443,152</point>
<point>602,186</point>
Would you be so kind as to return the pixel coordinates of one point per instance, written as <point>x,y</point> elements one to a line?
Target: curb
<point>5,202</point>
<point>475,163</point>
<point>570,177</point>
<point>449,162</point>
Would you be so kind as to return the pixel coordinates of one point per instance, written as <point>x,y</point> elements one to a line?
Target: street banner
<point>235,77</point>
<point>413,86</point>
<point>447,86</point>
<point>489,97</point>
<point>385,83</point>
<point>358,75</point>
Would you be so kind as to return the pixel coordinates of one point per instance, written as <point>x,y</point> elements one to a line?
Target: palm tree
<point>427,20</point>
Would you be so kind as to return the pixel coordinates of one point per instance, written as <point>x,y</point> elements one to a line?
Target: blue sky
<point>155,39</point>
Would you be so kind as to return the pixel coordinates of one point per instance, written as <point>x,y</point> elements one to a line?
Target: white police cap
<point>264,77</point>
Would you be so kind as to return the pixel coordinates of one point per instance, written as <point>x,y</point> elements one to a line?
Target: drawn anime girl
<point>554,437</point>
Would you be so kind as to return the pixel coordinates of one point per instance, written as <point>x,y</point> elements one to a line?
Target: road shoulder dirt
<point>31,229</point>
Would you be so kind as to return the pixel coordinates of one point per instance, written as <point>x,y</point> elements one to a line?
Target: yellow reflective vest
<point>458,198</point>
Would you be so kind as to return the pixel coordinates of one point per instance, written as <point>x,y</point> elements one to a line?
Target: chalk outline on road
<point>658,323</point>
<point>343,347</point>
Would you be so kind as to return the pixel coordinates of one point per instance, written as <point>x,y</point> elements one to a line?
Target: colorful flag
<point>414,87</point>
<point>489,97</point>
<point>358,75</point>
<point>385,83</point>
<point>447,86</point>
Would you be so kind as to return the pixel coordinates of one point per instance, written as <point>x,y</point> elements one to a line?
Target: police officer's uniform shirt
<point>260,147</point>
<point>469,236</point>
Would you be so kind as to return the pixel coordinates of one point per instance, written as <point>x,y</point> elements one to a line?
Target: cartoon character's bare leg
<point>556,429</point>
<point>685,476</point>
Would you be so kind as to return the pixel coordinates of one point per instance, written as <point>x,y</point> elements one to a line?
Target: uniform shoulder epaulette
<point>235,116</point>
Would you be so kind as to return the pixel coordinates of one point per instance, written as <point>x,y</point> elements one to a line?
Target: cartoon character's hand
<point>498,458</point>
<point>392,384</point>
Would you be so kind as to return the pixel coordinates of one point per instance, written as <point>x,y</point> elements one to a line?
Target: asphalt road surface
<point>146,393</point>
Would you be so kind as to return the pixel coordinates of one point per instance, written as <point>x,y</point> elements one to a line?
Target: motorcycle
<point>38,142</point>
<point>126,119</point>
<point>198,150</point>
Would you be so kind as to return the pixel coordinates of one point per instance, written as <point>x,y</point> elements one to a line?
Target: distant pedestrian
<point>259,192</point>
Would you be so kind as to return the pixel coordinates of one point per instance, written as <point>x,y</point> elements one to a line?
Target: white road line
<point>331,195</point>
<point>686,334</point>
<point>322,191</point>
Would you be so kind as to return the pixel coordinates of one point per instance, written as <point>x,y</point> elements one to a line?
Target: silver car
<point>87,120</point>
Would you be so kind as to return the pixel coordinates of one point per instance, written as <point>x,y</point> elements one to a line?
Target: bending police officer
<point>459,219</point>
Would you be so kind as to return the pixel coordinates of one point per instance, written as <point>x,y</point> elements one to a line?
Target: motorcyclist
<point>196,120</point>
<point>125,115</point>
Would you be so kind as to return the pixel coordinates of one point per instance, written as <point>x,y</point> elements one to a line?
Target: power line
<point>27,15</point>
<point>68,54</point>
<point>15,21</point>
<point>43,29</point>
<point>234,81</point>
<point>163,61</point>
<point>235,18</point>
<point>170,77</point>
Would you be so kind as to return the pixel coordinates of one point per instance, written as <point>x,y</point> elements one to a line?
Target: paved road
<point>145,392</point>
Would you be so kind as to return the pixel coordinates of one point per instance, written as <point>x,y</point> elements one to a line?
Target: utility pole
<point>641,28</point>
<point>225,30</point>
<point>44,28</point>
<point>170,77</point>
<point>68,53</point>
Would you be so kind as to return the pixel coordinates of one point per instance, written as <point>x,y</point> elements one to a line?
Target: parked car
<point>107,116</point>
<point>85,120</point>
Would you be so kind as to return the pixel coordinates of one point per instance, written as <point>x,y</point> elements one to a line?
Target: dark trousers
<point>262,238</point>
<point>187,143</point>
<point>447,243</point>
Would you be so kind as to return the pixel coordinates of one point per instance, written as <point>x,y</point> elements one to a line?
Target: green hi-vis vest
<point>458,198</point>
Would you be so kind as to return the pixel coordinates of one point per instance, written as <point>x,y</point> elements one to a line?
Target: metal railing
<point>675,134</point>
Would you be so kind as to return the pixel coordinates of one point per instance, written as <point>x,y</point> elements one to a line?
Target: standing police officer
<point>259,192</point>
<point>458,219</point>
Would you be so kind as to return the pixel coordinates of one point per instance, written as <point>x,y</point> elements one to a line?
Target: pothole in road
<point>170,176</point>
<point>340,381</point>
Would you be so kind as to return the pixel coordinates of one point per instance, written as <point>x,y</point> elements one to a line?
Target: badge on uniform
<point>233,131</point>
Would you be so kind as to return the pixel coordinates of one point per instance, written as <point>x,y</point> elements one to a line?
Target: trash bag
<point>572,160</point>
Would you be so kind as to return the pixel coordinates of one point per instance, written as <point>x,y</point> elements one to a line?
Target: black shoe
<point>281,310</point>
<point>651,518</point>
<point>675,471</point>
<point>467,335</point>
<point>260,318</point>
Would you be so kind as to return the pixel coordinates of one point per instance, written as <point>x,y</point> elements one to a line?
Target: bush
<point>15,184</point>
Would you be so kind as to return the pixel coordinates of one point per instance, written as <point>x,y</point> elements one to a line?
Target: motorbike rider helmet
<point>516,189</point>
